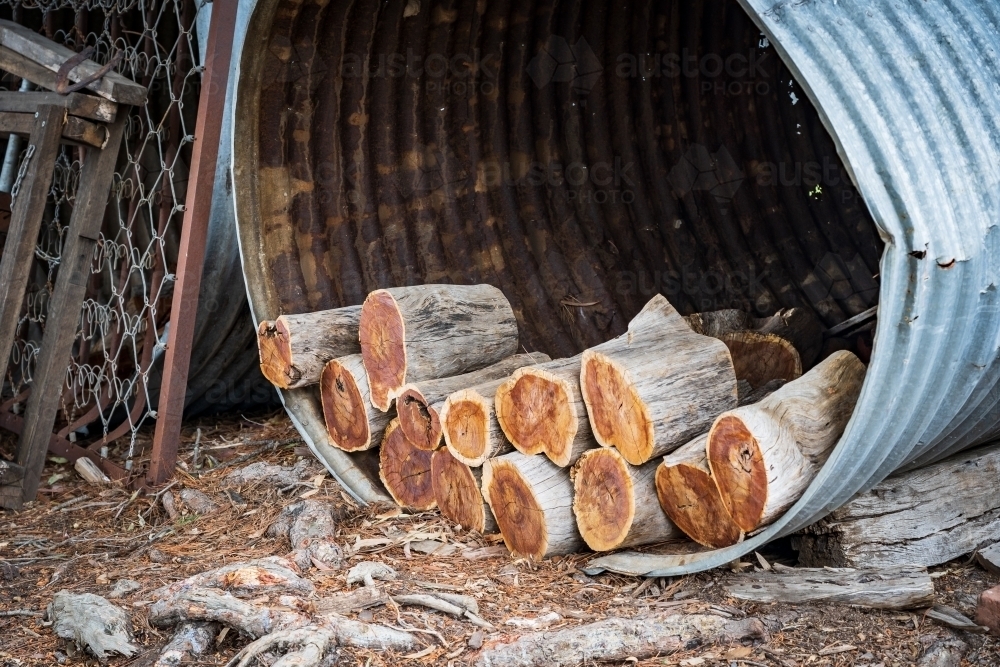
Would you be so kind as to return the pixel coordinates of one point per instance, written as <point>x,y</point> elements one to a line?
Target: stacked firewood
<point>702,427</point>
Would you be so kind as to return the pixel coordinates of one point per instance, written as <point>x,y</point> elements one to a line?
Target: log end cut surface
<point>406,470</point>
<point>383,347</point>
<point>419,421</point>
<point>617,414</point>
<point>759,358</point>
<point>692,501</point>
<point>344,410</point>
<point>518,514</point>
<point>465,420</point>
<point>603,499</point>
<point>536,414</point>
<point>457,491</point>
<point>738,467</point>
<point>276,354</point>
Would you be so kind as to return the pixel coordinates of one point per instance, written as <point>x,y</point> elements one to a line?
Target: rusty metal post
<point>191,257</point>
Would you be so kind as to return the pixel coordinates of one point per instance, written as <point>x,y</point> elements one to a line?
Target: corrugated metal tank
<point>584,155</point>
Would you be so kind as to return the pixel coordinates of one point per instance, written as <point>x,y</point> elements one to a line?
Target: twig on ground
<point>20,612</point>
<point>267,447</point>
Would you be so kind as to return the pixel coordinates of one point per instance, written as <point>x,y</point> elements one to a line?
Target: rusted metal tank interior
<point>581,156</point>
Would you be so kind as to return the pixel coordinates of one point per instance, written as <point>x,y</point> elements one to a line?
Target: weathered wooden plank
<point>64,306</point>
<point>75,130</point>
<point>26,221</point>
<point>926,516</point>
<point>76,104</point>
<point>49,56</point>
<point>900,587</point>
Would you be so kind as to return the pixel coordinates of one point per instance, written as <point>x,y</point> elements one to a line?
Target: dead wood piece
<point>124,587</point>
<point>761,358</point>
<point>405,470</point>
<point>89,471</point>
<point>763,456</point>
<point>688,494</point>
<point>541,411</point>
<point>615,503</point>
<point>269,474</point>
<point>211,604</point>
<point>716,323</point>
<point>198,502</point>
<point>367,572</point>
<point>419,405</point>
<point>904,587</point>
<point>798,326</point>
<point>532,501</point>
<point>944,653</point>
<point>352,422</point>
<point>616,639</point>
<point>457,493</point>
<point>311,535</point>
<point>989,558</point>
<point>926,516</point>
<point>431,602</point>
<point>470,427</point>
<point>189,641</point>
<point>170,505</point>
<point>752,395</point>
<point>92,622</point>
<point>423,332</point>
<point>294,348</point>
<point>345,603</point>
<point>954,619</point>
<point>656,386</point>
<point>263,576</point>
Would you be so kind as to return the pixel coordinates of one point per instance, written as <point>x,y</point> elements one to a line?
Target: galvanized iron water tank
<point>583,155</point>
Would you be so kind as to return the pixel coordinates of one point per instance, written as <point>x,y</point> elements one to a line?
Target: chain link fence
<point>111,381</point>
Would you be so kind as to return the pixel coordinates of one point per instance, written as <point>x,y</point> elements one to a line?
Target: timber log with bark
<point>419,405</point>
<point>615,503</point>
<point>470,427</point>
<point>405,470</point>
<point>294,348</point>
<point>352,423</point>
<point>458,495</point>
<point>424,332</point>
<point>532,501</point>
<point>763,456</point>
<point>655,387</point>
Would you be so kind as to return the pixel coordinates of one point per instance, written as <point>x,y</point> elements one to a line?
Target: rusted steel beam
<point>198,207</point>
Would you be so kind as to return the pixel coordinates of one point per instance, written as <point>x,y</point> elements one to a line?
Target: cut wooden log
<point>418,405</point>
<point>761,358</point>
<point>470,427</point>
<point>295,348</point>
<point>532,501</point>
<point>688,494</point>
<point>424,332</point>
<point>352,422</point>
<point>89,471</point>
<point>798,326</point>
<point>457,492</point>
<point>406,470</point>
<point>901,587</point>
<point>618,640</point>
<point>926,516</point>
<point>763,456</point>
<point>614,502</point>
<point>655,387</point>
<point>540,410</point>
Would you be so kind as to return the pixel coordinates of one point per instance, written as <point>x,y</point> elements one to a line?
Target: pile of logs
<point>702,428</point>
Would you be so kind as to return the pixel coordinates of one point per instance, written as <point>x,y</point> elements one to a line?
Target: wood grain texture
<point>457,492</point>
<point>418,404</point>
<point>424,332</point>
<point>898,587</point>
<point>76,104</point>
<point>470,427</point>
<point>615,503</point>
<point>405,470</point>
<point>926,516</point>
<point>540,410</point>
<point>532,501</point>
<point>616,640</point>
<point>762,358</point>
<point>763,456</point>
<point>798,326</point>
<point>655,387</point>
<point>295,348</point>
<point>687,493</point>
<point>352,423</point>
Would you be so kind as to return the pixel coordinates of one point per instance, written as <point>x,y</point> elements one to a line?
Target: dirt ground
<point>85,539</point>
